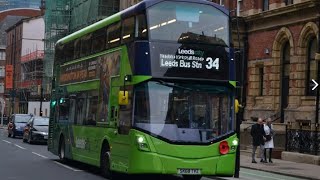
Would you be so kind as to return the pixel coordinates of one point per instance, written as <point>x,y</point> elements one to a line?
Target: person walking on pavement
<point>268,129</point>
<point>258,139</point>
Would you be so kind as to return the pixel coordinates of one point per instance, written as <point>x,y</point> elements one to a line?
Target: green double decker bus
<point>149,90</point>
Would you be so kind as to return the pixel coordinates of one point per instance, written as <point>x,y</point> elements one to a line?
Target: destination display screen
<point>189,61</point>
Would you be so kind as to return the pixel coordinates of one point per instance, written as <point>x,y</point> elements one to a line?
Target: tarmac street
<point>22,161</point>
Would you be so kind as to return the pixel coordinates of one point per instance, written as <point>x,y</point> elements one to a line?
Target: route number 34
<point>212,63</point>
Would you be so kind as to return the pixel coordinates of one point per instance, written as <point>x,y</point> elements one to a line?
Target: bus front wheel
<point>191,177</point>
<point>105,163</point>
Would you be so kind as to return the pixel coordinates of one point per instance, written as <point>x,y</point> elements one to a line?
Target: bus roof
<point>128,13</point>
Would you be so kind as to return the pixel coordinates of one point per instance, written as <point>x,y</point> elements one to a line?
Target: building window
<point>261,81</point>
<point>1,87</point>
<point>312,66</point>
<point>2,71</point>
<point>286,59</point>
<point>265,5</point>
<point>108,7</point>
<point>2,55</point>
<point>288,2</point>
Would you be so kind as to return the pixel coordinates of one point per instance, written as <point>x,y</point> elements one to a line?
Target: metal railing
<point>303,137</point>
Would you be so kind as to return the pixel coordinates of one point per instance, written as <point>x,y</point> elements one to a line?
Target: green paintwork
<point>166,158</point>
<point>233,83</point>
<point>84,143</point>
<point>91,56</point>
<point>76,87</point>
<point>103,23</point>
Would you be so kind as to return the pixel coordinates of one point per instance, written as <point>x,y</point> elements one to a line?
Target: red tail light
<point>224,147</point>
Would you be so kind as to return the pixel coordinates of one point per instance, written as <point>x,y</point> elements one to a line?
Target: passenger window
<point>99,40</point>
<point>128,30</point>
<point>81,107</point>
<point>72,109</point>
<point>77,48</point>
<point>64,109</point>
<point>86,45</point>
<point>69,52</point>
<point>59,54</point>
<point>141,29</point>
<point>114,33</point>
<point>86,108</point>
<point>92,109</point>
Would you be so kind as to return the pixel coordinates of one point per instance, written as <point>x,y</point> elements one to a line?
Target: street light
<point>41,97</point>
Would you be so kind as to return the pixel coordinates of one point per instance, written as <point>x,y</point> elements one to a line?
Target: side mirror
<point>236,106</point>
<point>123,98</point>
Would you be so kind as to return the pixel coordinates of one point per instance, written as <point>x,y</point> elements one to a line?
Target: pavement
<point>287,168</point>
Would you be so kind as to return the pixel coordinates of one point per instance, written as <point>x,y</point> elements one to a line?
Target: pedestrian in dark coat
<point>258,139</point>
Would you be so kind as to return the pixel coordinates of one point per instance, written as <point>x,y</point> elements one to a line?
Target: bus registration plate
<point>189,171</point>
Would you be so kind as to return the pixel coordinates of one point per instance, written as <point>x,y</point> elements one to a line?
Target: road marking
<point>7,141</point>
<point>260,176</point>
<point>40,155</point>
<point>68,167</point>
<point>19,146</point>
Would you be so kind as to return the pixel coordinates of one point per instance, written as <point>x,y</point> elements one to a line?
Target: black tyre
<point>9,135</point>
<point>62,150</point>
<point>105,162</point>
<point>192,177</point>
<point>29,138</point>
<point>13,134</point>
<point>24,139</point>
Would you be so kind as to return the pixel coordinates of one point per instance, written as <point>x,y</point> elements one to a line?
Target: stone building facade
<point>283,42</point>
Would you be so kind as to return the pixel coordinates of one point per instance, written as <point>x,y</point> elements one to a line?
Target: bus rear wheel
<point>191,177</point>
<point>105,163</point>
<point>62,151</point>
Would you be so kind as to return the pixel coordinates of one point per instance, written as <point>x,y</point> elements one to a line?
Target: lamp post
<point>41,98</point>
<point>13,62</point>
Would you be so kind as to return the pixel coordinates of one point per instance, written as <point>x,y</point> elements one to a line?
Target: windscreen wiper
<point>172,85</point>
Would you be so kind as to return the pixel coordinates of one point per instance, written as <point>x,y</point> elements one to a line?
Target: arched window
<point>286,59</point>
<point>312,65</point>
<point>285,77</point>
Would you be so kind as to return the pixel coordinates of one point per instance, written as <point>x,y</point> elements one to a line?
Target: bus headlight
<point>235,142</point>
<point>142,143</point>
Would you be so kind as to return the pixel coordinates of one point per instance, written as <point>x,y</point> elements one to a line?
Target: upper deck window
<point>184,22</point>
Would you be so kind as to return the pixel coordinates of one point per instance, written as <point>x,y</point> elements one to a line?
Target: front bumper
<point>39,137</point>
<point>153,163</point>
<point>18,132</point>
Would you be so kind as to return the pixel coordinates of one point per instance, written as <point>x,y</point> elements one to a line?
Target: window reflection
<point>187,22</point>
<point>182,112</point>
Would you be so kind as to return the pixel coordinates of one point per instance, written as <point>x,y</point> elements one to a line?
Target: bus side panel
<point>120,139</point>
<point>87,143</point>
